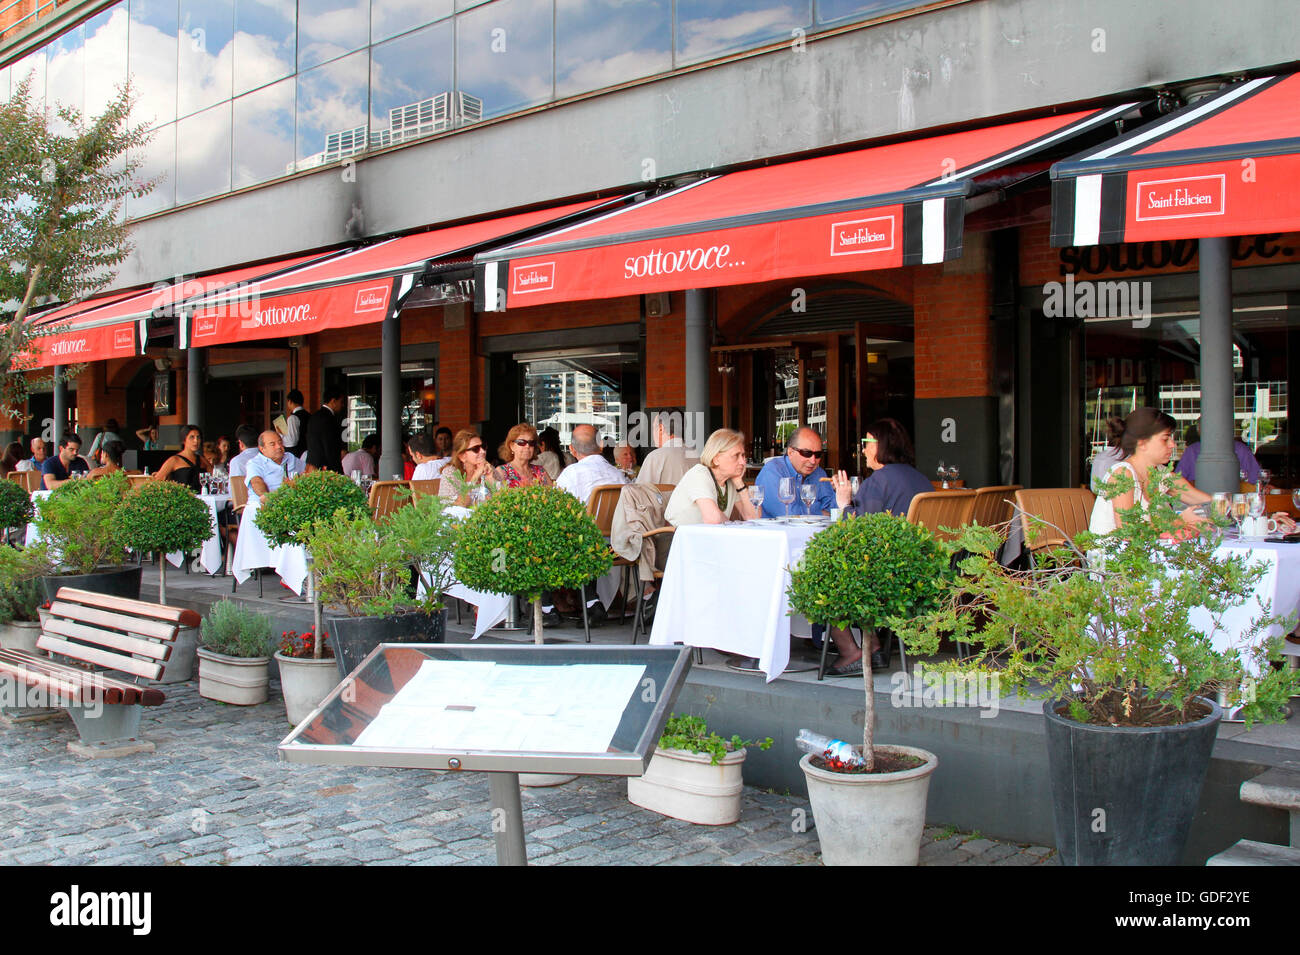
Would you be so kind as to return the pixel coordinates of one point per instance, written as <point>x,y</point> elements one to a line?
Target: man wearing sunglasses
<point>801,463</point>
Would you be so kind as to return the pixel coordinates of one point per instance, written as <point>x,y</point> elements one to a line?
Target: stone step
<point>1246,852</point>
<point>1278,788</point>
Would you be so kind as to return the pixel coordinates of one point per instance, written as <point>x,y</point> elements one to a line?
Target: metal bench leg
<point>108,729</point>
<point>586,628</point>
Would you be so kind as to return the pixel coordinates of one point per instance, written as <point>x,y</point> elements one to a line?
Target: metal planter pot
<point>354,637</point>
<point>1125,795</point>
<point>114,579</point>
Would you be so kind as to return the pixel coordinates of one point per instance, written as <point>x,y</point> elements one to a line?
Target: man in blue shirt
<point>803,452</point>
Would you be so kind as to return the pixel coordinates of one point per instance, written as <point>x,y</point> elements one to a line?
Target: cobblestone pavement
<point>216,793</point>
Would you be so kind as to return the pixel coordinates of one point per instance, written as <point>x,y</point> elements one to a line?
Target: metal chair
<point>388,496</point>
<point>658,535</point>
<point>1066,509</point>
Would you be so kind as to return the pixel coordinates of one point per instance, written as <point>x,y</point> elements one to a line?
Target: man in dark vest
<point>295,432</point>
<point>325,432</point>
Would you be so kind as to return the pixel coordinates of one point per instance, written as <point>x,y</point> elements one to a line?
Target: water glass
<point>785,493</point>
<point>808,494</point>
<point>756,498</point>
<point>854,484</point>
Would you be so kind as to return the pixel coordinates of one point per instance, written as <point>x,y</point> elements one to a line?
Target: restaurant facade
<point>469,214</point>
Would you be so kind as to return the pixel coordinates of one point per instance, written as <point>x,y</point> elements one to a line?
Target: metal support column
<point>1216,467</point>
<point>390,397</point>
<point>195,411</point>
<point>697,367</point>
<point>507,818</point>
<point>60,406</point>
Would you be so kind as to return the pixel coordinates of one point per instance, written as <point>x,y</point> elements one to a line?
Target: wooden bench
<point>1278,788</point>
<point>87,634</point>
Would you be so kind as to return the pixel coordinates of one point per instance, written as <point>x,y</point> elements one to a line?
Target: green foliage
<point>15,505</point>
<point>1116,640</point>
<point>427,537</point>
<point>161,517</point>
<point>236,631</point>
<point>870,571</point>
<point>288,511</point>
<point>76,523</point>
<point>360,569</point>
<point>692,734</point>
<point>20,592</point>
<point>529,540</point>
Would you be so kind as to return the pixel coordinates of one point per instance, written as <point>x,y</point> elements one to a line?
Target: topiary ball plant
<point>871,571</point>
<point>288,511</point>
<point>530,540</point>
<point>160,517</point>
<point>15,505</point>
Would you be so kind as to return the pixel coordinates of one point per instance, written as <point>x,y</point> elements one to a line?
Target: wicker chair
<point>937,509</point>
<point>1066,509</point>
<point>663,539</point>
<point>387,496</point>
<point>601,506</point>
<point>992,506</point>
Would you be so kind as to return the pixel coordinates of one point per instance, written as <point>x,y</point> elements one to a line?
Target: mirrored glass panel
<point>159,160</point>
<point>389,18</point>
<point>332,111</point>
<point>4,85</point>
<point>330,28</point>
<point>151,59</point>
<point>504,58</point>
<point>829,11</point>
<point>263,134</point>
<point>65,72</point>
<point>411,86</point>
<point>265,41</point>
<point>709,28</point>
<point>600,43</point>
<point>206,52</point>
<point>106,39</point>
<point>203,154</point>
<point>32,69</point>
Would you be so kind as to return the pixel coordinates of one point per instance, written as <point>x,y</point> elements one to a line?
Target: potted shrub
<point>871,571</point>
<point>528,541</point>
<point>160,517</point>
<point>15,507</point>
<point>233,660</point>
<point>694,774</point>
<point>80,540</point>
<point>20,600</point>
<point>1122,670</point>
<point>307,672</point>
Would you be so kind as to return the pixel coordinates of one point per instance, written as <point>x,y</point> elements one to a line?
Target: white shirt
<point>239,463</point>
<point>593,470</point>
<point>430,470</point>
<point>291,429</point>
<point>697,484</point>
<point>359,460</point>
<point>273,474</point>
<point>1102,519</point>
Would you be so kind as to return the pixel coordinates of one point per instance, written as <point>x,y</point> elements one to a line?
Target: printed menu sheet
<point>489,706</point>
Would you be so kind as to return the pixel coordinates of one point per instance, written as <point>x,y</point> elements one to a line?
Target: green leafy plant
<point>235,630</point>
<point>692,734</point>
<point>530,540</point>
<point>76,523</point>
<point>877,570</point>
<point>20,592</point>
<point>427,536</point>
<point>160,517</point>
<point>1115,641</point>
<point>288,511</point>
<point>358,568</point>
<point>15,505</point>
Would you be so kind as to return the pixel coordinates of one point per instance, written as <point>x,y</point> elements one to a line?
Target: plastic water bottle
<point>836,752</point>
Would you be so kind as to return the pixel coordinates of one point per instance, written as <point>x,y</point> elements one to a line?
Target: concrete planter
<point>305,682</point>
<point>688,786</point>
<point>238,680</point>
<point>180,663</point>
<point>21,635</point>
<point>870,818</point>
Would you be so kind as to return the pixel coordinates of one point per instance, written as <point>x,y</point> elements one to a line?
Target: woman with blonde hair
<point>468,470</point>
<point>519,452</point>
<point>713,491</point>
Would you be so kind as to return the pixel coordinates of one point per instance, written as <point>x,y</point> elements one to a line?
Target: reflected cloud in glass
<point>206,54</point>
<point>503,55</point>
<point>829,11</point>
<point>411,84</point>
<point>203,154</point>
<point>263,134</point>
<point>265,42</point>
<point>708,28</point>
<point>65,75</point>
<point>388,18</point>
<point>106,35</point>
<point>159,160</point>
<point>332,111</point>
<point>600,43</point>
<point>151,60</point>
<point>330,28</point>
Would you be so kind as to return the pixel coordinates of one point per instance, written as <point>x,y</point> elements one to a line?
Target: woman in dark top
<point>9,463</point>
<point>893,482</point>
<point>185,466</point>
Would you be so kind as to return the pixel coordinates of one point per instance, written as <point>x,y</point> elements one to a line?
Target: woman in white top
<point>712,491</point>
<point>1145,440</point>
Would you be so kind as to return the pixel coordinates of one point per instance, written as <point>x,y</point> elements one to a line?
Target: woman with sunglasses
<point>518,453</point>
<point>469,469</point>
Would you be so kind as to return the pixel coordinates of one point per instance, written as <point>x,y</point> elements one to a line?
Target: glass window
<point>831,10</point>
<point>332,111</point>
<point>65,71</point>
<point>709,28</point>
<point>32,69</point>
<point>106,37</point>
<point>4,84</point>
<point>151,59</point>
<point>388,18</point>
<point>203,154</point>
<point>263,134</point>
<point>265,41</point>
<point>330,28</point>
<point>600,43</point>
<point>206,52</point>
<point>411,86</point>
<point>503,57</point>
<point>159,157</point>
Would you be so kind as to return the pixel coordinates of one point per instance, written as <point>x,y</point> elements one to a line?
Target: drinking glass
<point>1265,478</point>
<point>854,483</point>
<point>1221,505</point>
<point>1257,505</point>
<point>943,474</point>
<point>1295,498</point>
<point>756,498</point>
<point>808,494</point>
<point>954,472</point>
<point>785,493</point>
<point>1239,509</point>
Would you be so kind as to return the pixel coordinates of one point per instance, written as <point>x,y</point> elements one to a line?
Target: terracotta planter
<point>305,682</point>
<point>686,785</point>
<point>238,680</point>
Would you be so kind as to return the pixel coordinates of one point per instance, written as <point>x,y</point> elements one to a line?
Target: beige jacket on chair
<point>640,509</point>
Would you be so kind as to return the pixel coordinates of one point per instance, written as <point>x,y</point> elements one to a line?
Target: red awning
<point>109,326</point>
<point>355,288</point>
<point>878,208</point>
<point>1224,166</point>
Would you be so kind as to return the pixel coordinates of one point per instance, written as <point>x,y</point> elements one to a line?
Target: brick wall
<point>954,348</point>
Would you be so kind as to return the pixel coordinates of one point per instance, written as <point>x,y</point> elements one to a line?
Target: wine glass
<point>854,483</point>
<point>943,474</point>
<point>1295,498</point>
<point>1221,505</point>
<point>756,498</point>
<point>954,472</point>
<point>808,494</point>
<point>785,493</point>
<point>1265,478</point>
<point>1238,510</point>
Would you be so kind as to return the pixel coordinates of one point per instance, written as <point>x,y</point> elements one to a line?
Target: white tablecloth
<point>253,551</point>
<point>492,608</point>
<point>33,535</point>
<point>210,553</point>
<point>725,587</point>
<point>1279,586</point>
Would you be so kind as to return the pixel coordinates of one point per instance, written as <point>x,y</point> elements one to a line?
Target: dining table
<point>253,550</point>
<point>1276,594</point>
<point>211,550</point>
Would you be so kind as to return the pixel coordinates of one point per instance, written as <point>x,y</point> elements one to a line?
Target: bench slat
<point>140,608</point>
<point>62,682</point>
<point>117,691</point>
<point>156,629</point>
<point>104,638</point>
<point>113,661</point>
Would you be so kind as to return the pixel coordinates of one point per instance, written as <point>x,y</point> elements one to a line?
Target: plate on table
<point>804,519</point>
